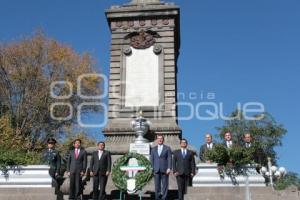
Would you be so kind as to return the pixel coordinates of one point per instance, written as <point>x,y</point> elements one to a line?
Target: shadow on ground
<point>115,195</point>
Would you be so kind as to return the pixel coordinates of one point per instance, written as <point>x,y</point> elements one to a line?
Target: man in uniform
<point>52,158</point>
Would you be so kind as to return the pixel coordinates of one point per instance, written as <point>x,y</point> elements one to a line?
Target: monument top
<point>144,1</point>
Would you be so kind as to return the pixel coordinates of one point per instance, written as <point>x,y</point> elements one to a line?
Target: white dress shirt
<point>159,149</point>
<point>229,144</point>
<point>100,154</point>
<point>209,146</point>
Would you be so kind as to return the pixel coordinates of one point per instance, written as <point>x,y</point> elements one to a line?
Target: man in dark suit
<point>228,143</point>
<point>161,161</point>
<point>100,169</point>
<point>247,140</point>
<point>206,147</point>
<point>183,167</point>
<point>76,167</point>
<point>258,156</point>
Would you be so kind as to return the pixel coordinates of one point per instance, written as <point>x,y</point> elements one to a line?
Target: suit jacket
<point>163,162</point>
<point>203,150</point>
<point>184,165</point>
<point>77,165</point>
<point>233,144</point>
<point>258,155</point>
<point>100,166</point>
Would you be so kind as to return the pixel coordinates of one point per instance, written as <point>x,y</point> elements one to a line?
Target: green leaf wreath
<point>119,177</point>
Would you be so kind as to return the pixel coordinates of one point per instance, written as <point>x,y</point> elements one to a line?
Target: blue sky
<point>240,50</point>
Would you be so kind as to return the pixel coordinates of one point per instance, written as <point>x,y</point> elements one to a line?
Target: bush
<point>240,156</point>
<point>10,158</point>
<point>231,161</point>
<point>218,155</point>
<point>290,179</point>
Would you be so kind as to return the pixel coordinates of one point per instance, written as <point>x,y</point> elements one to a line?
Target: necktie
<point>76,153</point>
<point>183,153</point>
<point>159,149</point>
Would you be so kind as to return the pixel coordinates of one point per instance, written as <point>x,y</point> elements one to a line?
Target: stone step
<point>222,190</point>
<point>238,193</point>
<point>149,187</point>
<point>27,194</point>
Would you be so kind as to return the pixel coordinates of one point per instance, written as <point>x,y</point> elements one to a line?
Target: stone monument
<point>143,64</point>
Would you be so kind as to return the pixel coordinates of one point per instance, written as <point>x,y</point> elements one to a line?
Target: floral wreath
<point>120,177</point>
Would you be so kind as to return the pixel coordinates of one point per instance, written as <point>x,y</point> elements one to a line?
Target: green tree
<point>265,131</point>
<point>290,179</point>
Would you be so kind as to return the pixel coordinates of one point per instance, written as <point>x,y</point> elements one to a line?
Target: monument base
<point>33,193</point>
<point>208,176</point>
<point>239,193</point>
<point>118,141</point>
<point>31,182</point>
<point>31,176</point>
<point>140,148</point>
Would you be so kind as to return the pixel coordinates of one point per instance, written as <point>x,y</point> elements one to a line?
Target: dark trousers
<point>182,183</point>
<point>75,185</point>
<point>99,180</point>
<point>56,180</point>
<point>52,174</point>
<point>161,185</point>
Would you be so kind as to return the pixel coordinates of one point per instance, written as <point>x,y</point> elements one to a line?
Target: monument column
<point>145,44</point>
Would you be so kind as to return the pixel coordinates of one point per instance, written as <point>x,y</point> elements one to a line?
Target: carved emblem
<point>142,40</point>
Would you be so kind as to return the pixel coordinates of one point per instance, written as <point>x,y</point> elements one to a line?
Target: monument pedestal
<point>31,182</point>
<point>31,176</point>
<point>208,176</point>
<point>119,136</point>
<point>143,149</point>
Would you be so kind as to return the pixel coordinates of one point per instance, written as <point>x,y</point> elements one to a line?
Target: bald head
<point>208,138</point>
